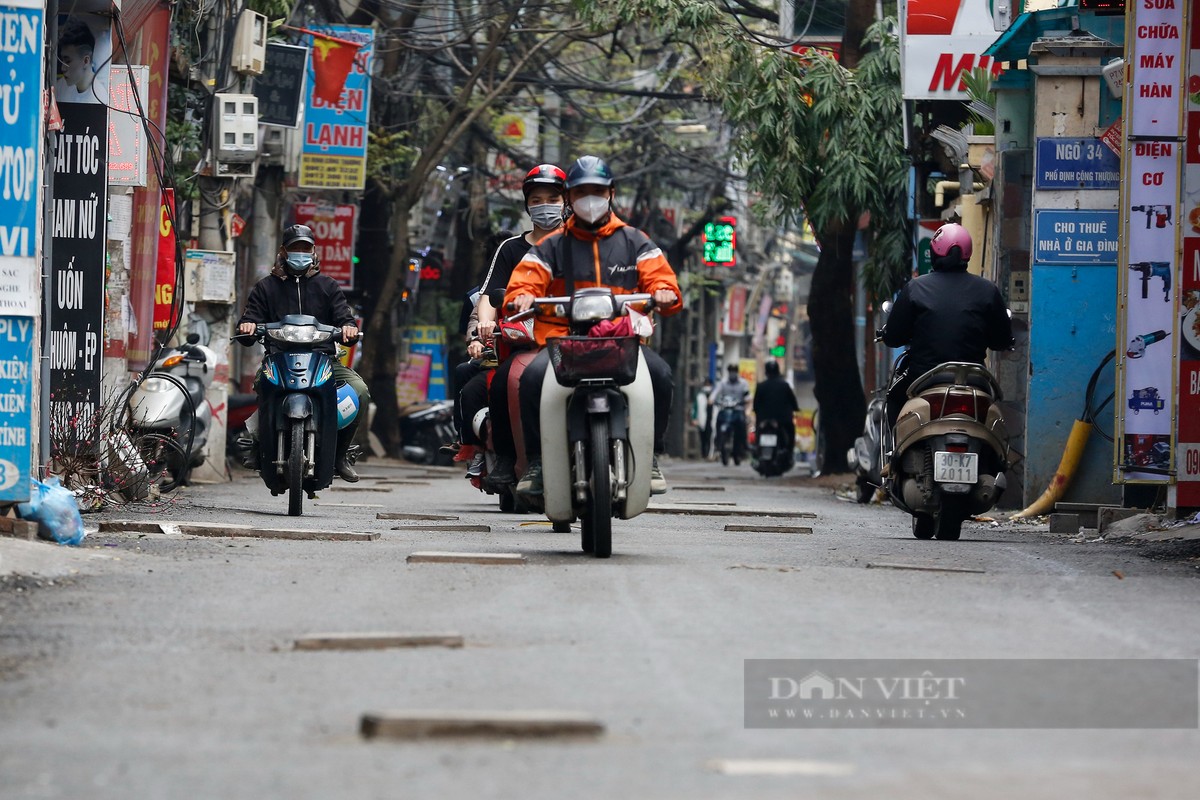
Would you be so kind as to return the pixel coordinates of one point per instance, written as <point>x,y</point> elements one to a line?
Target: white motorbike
<point>597,418</point>
<point>170,415</point>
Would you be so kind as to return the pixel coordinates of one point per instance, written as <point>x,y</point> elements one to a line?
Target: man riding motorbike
<point>595,248</point>
<point>732,393</point>
<point>775,400</point>
<point>296,286</point>
<point>946,315</point>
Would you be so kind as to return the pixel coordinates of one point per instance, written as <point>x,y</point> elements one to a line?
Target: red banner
<point>334,229</point>
<point>164,283</point>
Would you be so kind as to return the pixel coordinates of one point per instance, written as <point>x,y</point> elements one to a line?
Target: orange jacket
<point>616,255</point>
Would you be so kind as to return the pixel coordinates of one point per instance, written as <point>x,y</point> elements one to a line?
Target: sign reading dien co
<point>1084,237</point>
<point>940,41</point>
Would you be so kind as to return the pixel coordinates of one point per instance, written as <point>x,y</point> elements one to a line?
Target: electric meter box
<point>237,127</point>
<point>250,44</point>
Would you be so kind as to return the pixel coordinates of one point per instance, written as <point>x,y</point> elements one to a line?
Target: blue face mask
<point>299,263</point>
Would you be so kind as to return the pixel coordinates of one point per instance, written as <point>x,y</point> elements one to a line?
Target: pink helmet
<point>949,236</point>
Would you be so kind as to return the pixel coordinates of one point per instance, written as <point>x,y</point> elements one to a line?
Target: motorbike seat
<point>956,374</point>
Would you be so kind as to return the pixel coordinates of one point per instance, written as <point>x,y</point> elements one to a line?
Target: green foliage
<point>389,157</point>
<point>272,9</point>
<point>183,139</point>
<point>814,138</point>
<point>979,87</point>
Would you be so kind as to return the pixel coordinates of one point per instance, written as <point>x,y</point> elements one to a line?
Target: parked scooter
<point>301,410</point>
<point>951,449</point>
<point>171,416</point>
<point>423,429</point>
<point>770,455</point>
<point>731,430</point>
<point>870,450</point>
<point>597,417</point>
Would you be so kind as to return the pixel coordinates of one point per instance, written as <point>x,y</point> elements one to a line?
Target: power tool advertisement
<point>1147,335</point>
<point>1187,461</point>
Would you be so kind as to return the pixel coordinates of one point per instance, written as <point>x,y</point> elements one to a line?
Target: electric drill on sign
<point>1159,215</point>
<point>1154,269</point>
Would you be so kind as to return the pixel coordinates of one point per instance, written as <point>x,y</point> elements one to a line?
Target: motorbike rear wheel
<point>296,470</point>
<point>508,501</point>
<point>923,527</point>
<point>863,491</point>
<point>949,522</point>
<point>599,514</point>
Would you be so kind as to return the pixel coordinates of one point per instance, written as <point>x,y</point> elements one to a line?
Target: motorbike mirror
<point>193,338</point>
<point>886,308</point>
<point>1009,312</point>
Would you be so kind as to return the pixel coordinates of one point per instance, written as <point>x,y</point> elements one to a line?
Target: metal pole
<point>49,142</point>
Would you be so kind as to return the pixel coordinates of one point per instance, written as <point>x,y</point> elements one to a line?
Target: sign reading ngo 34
<point>940,40</point>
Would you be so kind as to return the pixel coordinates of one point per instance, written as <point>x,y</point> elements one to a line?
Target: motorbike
<point>869,453</point>
<point>731,430</point>
<point>951,449</point>
<point>509,500</point>
<point>301,408</point>
<point>597,417</point>
<point>770,455</point>
<point>423,429</point>
<point>170,415</point>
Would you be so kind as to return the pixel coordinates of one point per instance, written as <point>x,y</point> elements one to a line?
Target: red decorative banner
<point>164,282</point>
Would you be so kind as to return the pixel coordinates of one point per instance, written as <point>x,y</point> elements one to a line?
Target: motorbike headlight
<point>592,308</point>
<point>300,334</point>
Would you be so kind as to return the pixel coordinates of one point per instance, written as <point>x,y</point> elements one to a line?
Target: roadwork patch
<point>926,568</point>
<point>405,515</point>
<point>462,528</point>
<point>727,512</point>
<point>376,641</point>
<point>780,766</point>
<point>222,530</point>
<point>474,724</point>
<point>768,528</point>
<point>438,557</point>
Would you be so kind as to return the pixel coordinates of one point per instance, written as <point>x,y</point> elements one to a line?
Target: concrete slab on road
<point>475,724</point>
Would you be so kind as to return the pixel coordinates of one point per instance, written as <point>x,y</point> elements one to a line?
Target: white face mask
<point>590,209</point>
<point>547,217</point>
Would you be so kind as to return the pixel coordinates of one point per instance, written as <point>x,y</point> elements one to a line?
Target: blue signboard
<point>333,153</point>
<point>1073,236</point>
<point>16,399</point>
<point>1076,164</point>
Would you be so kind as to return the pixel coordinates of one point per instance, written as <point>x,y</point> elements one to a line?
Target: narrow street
<point>165,666</point>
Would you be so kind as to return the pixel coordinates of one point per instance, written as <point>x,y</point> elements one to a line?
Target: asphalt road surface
<point>163,665</point>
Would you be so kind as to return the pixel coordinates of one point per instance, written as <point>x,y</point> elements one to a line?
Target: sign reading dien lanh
<point>333,152</point>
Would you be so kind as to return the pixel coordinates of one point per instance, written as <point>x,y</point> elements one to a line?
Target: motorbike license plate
<point>768,440</point>
<point>955,467</point>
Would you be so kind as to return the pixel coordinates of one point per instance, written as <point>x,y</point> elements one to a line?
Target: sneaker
<point>658,482</point>
<point>502,473</point>
<point>450,448</point>
<point>477,465</point>
<point>531,481</point>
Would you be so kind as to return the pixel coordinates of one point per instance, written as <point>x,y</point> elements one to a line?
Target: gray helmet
<point>298,233</point>
<point>589,170</point>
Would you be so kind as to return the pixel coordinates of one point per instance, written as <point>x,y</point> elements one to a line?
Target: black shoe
<point>249,449</point>
<point>502,473</point>
<point>345,465</point>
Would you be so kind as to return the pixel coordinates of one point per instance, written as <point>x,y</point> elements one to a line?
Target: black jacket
<point>948,315</point>
<point>774,399</point>
<point>504,260</point>
<point>273,298</point>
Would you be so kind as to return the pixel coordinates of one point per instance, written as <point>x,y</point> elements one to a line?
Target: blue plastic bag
<point>54,509</point>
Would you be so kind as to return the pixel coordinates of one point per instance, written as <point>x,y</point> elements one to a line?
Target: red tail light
<point>971,404</point>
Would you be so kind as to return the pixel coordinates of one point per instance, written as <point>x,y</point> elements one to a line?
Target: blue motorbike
<point>301,408</point>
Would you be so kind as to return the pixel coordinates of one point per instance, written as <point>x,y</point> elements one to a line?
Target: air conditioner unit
<point>250,44</point>
<point>236,120</point>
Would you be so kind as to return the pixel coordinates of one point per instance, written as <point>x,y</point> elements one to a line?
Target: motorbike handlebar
<point>622,300</point>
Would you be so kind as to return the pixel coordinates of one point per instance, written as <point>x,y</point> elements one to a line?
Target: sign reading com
<point>971,693</point>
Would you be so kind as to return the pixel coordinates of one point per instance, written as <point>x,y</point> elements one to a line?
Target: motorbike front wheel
<point>923,527</point>
<point>296,470</point>
<point>599,515</point>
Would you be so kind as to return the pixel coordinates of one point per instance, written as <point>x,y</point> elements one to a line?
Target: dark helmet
<point>544,175</point>
<point>298,233</point>
<point>589,170</point>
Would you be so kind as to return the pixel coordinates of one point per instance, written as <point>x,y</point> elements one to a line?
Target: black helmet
<point>544,175</point>
<point>589,171</point>
<point>298,233</point>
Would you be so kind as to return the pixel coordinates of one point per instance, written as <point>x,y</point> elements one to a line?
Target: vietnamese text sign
<point>333,225</point>
<point>1187,456</point>
<point>281,85</point>
<point>16,399</point>
<point>77,273</point>
<point>1076,164</point>
<point>1075,236</point>
<point>126,133</point>
<point>20,167</point>
<point>1157,54</point>
<point>333,152</point>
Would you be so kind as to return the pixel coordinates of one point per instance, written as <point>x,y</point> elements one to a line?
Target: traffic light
<point>780,348</point>
<point>720,242</point>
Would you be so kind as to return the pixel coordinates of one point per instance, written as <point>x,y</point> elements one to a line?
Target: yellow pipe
<point>1076,442</point>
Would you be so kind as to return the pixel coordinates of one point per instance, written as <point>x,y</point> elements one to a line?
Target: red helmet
<point>949,236</point>
<point>545,175</point>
